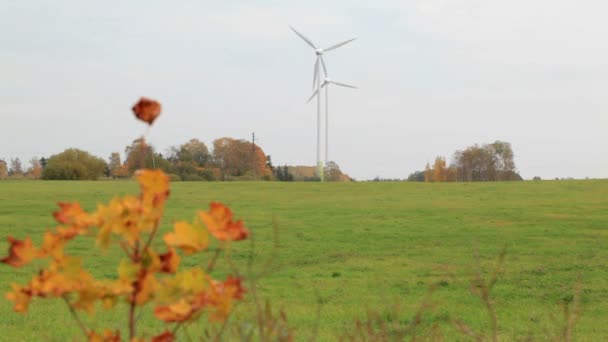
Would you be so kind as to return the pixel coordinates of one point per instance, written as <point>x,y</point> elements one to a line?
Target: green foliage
<point>174,178</point>
<point>74,164</point>
<point>417,176</point>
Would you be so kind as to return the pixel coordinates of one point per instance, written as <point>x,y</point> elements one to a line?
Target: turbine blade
<point>308,41</point>
<point>343,85</point>
<point>315,74</point>
<point>323,64</point>
<point>338,45</point>
<point>313,95</point>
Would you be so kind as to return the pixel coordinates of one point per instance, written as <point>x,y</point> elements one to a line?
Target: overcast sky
<point>434,76</point>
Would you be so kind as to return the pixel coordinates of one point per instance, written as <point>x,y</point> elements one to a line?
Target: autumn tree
<point>16,168</point>
<point>239,157</point>
<point>428,173</point>
<point>489,162</point>
<point>143,155</point>
<point>192,161</point>
<point>114,163</point>
<point>3,169</point>
<point>35,170</point>
<point>439,170</point>
<point>194,151</point>
<point>74,164</point>
<point>334,174</point>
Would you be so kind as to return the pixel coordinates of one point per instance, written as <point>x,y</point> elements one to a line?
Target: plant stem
<point>132,318</point>
<point>211,263</point>
<point>135,258</point>
<point>84,329</point>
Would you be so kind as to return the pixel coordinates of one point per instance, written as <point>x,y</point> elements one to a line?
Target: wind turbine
<point>325,85</point>
<point>317,79</point>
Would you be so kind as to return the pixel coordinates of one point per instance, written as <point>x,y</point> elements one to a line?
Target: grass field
<point>346,248</point>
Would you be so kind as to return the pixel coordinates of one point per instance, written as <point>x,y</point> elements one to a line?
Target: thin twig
<point>253,289</point>
<point>219,333</point>
<point>125,248</point>
<point>135,258</point>
<point>211,263</point>
<point>177,326</point>
<point>151,236</point>
<point>84,329</point>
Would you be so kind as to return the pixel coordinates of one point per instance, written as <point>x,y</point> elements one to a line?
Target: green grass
<point>365,246</point>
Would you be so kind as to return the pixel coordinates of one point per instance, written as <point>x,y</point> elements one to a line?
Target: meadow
<point>346,249</point>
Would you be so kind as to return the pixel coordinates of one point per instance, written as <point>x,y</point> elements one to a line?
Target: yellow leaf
<point>146,286</point>
<point>189,238</point>
<point>127,270</point>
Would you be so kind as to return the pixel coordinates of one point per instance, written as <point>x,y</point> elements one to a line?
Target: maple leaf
<point>145,287</point>
<point>147,110</point>
<point>86,299</point>
<point>21,298</point>
<point>128,270</point>
<point>122,216</point>
<point>187,237</point>
<point>169,261</point>
<point>107,336</point>
<point>221,297</point>
<point>21,252</point>
<point>52,245</point>
<point>219,223</point>
<point>234,287</point>
<point>154,186</point>
<point>73,214</point>
<point>167,336</point>
<point>175,312</point>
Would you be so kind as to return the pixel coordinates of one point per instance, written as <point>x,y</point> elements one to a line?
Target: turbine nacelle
<point>319,51</point>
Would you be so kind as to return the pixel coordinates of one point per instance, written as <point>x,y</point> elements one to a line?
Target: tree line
<point>485,163</point>
<point>229,159</point>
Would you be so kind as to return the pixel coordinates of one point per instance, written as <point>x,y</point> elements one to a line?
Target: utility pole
<point>253,157</point>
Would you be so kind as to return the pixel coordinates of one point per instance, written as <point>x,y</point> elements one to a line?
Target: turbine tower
<point>325,85</point>
<point>317,80</point>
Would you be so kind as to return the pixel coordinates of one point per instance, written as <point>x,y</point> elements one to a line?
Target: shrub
<point>74,164</point>
<point>174,178</point>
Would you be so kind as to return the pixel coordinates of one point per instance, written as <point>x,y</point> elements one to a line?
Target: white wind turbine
<point>317,79</point>
<point>326,84</point>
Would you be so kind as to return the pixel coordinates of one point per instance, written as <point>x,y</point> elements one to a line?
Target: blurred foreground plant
<point>145,274</point>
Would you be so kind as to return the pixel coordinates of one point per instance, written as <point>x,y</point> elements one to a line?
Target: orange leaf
<point>167,336</point>
<point>21,298</point>
<point>107,336</point>
<point>234,286</point>
<point>169,261</point>
<point>52,245</point>
<point>144,287</point>
<point>147,110</point>
<point>176,312</point>
<point>21,252</point>
<point>72,214</point>
<point>219,223</point>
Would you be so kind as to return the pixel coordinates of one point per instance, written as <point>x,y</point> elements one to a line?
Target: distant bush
<point>174,178</point>
<point>192,178</point>
<point>416,176</point>
<point>74,164</point>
